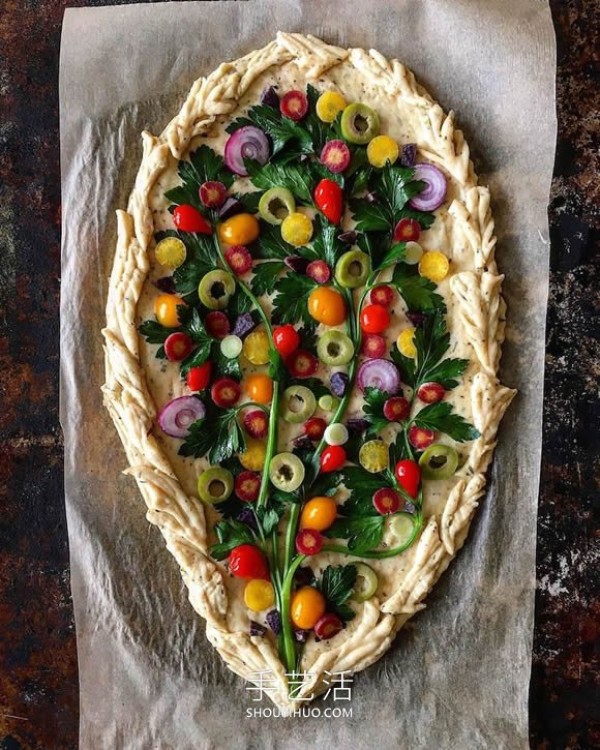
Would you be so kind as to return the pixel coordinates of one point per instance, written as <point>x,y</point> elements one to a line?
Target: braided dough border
<point>181,518</point>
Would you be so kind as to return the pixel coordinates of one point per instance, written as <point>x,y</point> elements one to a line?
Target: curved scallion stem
<point>384,553</point>
<point>287,639</point>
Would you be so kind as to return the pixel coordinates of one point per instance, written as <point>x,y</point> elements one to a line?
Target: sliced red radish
<point>382,295</point>
<point>294,105</point>
<point>256,423</point>
<point>373,346</point>
<point>407,230</point>
<point>309,541</point>
<point>225,392</point>
<point>386,500</point>
<point>420,437</point>
<point>213,194</point>
<point>396,409</point>
<point>335,155</point>
<point>314,428</point>
<point>434,193</point>
<point>247,486</point>
<point>239,259</point>
<point>431,393</point>
<point>318,271</point>
<point>177,346</point>
<point>248,142</point>
<point>217,324</point>
<point>327,626</point>
<point>302,364</point>
<point>176,417</point>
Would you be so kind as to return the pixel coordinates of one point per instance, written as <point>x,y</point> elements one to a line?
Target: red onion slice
<point>248,142</point>
<point>379,373</point>
<point>177,415</point>
<point>434,193</point>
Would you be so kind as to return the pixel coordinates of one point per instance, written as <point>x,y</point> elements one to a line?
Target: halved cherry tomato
<point>327,306</point>
<point>199,377</point>
<point>247,561</point>
<point>217,324</point>
<point>407,230</point>
<point>259,388</point>
<point>374,319</point>
<point>177,346</point>
<point>386,501</point>
<point>431,393</point>
<point>247,486</point>
<point>225,392</point>
<point>165,309</point>
<point>256,424</point>
<point>328,626</point>
<point>329,199</point>
<point>286,339</point>
<point>420,437</point>
<point>309,542</point>
<point>408,475</point>
<point>332,458</point>
<point>302,364</point>
<point>241,229</point>
<point>318,513</point>
<point>294,104</point>
<point>383,294</point>
<point>308,606</point>
<point>314,428</point>
<point>188,219</point>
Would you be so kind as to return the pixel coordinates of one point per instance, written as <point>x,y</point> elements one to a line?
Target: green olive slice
<point>402,527</point>
<point>286,472</point>
<point>215,485</point>
<point>366,582</point>
<point>276,204</point>
<point>298,404</point>
<point>353,269</point>
<point>359,123</point>
<point>438,462</point>
<point>335,348</point>
<point>215,289</point>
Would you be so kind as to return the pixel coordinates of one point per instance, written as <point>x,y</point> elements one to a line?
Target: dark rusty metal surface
<point>38,663</point>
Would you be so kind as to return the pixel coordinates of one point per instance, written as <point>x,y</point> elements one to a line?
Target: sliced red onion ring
<point>379,373</point>
<point>177,415</point>
<point>434,193</point>
<point>248,142</point>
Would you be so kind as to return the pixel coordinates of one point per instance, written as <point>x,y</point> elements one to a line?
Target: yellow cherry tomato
<point>170,252</point>
<point>327,306</point>
<point>329,105</point>
<point>308,606</point>
<point>256,347</point>
<point>165,309</point>
<point>241,229</point>
<point>253,458</point>
<point>259,388</point>
<point>297,229</point>
<point>406,343</point>
<point>381,150</point>
<point>434,266</point>
<point>259,595</point>
<point>318,513</point>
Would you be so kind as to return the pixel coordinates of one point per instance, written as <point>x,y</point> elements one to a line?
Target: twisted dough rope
<point>180,518</point>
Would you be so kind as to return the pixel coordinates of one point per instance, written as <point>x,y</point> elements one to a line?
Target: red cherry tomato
<point>199,377</point>
<point>386,501</point>
<point>332,458</point>
<point>329,199</point>
<point>302,364</point>
<point>431,393</point>
<point>328,626</point>
<point>177,346</point>
<point>309,542</point>
<point>225,392</point>
<point>286,339</point>
<point>408,475</point>
<point>314,428</point>
<point>247,561</point>
<point>189,219</point>
<point>374,319</point>
<point>382,295</point>
<point>247,486</point>
<point>407,230</point>
<point>420,437</point>
<point>294,105</point>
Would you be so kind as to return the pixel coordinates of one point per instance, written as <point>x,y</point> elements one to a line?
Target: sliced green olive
<point>215,289</point>
<point>215,485</point>
<point>286,472</point>
<point>329,403</point>
<point>359,123</point>
<point>353,269</point>
<point>298,404</point>
<point>366,582</point>
<point>335,348</point>
<point>401,525</point>
<point>438,462</point>
<point>276,204</point>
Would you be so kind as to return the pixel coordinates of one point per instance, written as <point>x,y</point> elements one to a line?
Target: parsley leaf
<point>325,245</point>
<point>249,201</point>
<point>269,518</point>
<point>280,129</point>
<point>204,165</point>
<point>417,291</point>
<point>394,255</point>
<point>194,327</point>
<point>291,176</point>
<point>265,276</point>
<point>218,436</point>
<point>336,585</point>
<point>290,304</point>
<point>373,409</point>
<point>270,244</point>
<point>224,365</point>
<point>231,534</point>
<point>199,261</point>
<point>239,303</point>
<point>363,533</point>
<point>154,333</point>
<point>440,418</point>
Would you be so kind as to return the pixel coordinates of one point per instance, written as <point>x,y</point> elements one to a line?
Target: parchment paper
<point>458,676</point>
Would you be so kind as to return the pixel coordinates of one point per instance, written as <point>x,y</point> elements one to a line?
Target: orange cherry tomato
<point>165,309</point>
<point>327,306</point>
<point>308,606</point>
<point>318,513</point>
<point>259,388</point>
<point>374,319</point>
<point>241,229</point>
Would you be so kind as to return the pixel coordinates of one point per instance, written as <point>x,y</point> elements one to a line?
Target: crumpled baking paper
<point>458,675</point>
